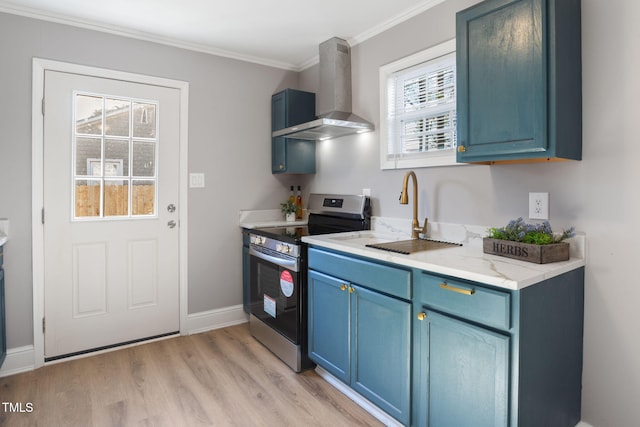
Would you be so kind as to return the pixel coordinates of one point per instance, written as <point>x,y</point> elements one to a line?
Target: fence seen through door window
<point>115,157</point>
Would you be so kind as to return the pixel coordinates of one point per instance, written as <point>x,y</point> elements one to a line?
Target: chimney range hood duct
<point>333,101</point>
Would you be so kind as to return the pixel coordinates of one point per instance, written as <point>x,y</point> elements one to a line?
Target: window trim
<point>445,158</point>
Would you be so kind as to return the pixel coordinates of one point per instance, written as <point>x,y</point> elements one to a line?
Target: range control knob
<point>286,249</point>
<point>279,247</point>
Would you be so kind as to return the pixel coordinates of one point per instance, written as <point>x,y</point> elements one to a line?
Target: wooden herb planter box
<point>540,254</point>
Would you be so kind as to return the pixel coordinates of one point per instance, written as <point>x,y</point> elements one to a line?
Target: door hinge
<point>42,216</point>
<point>43,325</point>
<point>43,106</point>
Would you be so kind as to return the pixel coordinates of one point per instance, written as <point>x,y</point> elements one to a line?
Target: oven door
<point>275,291</point>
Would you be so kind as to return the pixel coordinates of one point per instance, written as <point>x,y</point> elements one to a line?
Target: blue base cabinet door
<point>329,334</point>
<point>464,374</point>
<point>363,338</point>
<point>381,360</point>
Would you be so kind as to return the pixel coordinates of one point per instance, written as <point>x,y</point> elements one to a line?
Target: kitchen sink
<point>411,246</point>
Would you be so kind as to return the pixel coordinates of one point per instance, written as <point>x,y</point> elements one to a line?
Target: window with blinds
<point>419,124</point>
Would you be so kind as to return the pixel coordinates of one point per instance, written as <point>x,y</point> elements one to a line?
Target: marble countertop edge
<point>467,262</point>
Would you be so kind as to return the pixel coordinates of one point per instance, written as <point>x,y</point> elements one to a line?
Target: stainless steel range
<point>278,300</point>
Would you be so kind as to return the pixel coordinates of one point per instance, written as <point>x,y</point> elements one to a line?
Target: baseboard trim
<point>19,359</point>
<point>583,424</point>
<point>216,319</point>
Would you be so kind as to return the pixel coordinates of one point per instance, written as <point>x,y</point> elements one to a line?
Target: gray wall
<point>229,128</point>
<point>598,195</point>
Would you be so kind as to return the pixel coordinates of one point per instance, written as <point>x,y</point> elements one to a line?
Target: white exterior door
<point>111,234</point>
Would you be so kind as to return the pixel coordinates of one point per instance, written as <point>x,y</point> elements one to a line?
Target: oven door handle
<point>288,263</point>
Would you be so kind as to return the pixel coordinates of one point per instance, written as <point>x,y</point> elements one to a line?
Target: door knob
<point>171,224</point>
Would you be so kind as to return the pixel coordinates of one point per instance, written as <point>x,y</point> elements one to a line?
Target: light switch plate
<point>538,205</point>
<point>196,180</point>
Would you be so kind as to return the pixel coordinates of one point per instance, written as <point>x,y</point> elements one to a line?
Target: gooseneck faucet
<point>404,199</point>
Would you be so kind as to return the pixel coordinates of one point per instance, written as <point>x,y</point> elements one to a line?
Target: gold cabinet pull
<point>458,290</point>
<point>422,315</point>
<point>343,287</point>
<point>461,149</point>
<point>351,289</point>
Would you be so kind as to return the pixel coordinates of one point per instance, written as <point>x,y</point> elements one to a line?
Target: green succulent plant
<point>537,234</point>
<point>289,207</point>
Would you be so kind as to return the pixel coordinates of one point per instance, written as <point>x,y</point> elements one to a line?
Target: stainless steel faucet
<point>404,199</point>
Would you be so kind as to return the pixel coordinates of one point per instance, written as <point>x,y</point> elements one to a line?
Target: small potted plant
<point>289,209</point>
<point>528,242</point>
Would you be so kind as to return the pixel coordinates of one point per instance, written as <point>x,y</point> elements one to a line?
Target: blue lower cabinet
<point>329,335</point>
<point>362,337</point>
<point>463,374</point>
<point>440,351</point>
<point>381,331</point>
<point>485,356</point>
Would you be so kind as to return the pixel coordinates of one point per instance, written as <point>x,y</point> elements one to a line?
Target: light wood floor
<point>218,378</point>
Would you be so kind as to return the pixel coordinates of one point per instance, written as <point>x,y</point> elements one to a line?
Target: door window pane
<point>88,113</point>
<point>118,117</point>
<point>143,197</point>
<point>144,158</point>
<point>85,149</point>
<point>87,198</point>
<point>117,151</point>
<point>144,120</point>
<point>116,198</point>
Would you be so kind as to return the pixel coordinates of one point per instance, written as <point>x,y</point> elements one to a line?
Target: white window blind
<point>420,110</point>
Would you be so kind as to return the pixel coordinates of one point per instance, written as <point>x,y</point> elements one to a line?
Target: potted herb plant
<point>528,242</point>
<point>289,209</point>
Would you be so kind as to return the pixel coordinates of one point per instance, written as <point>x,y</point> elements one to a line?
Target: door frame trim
<point>37,183</point>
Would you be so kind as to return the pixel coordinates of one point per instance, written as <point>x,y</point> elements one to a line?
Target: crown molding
<point>140,35</point>
<point>202,48</point>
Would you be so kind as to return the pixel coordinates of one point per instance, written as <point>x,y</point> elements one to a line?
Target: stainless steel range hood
<point>333,101</point>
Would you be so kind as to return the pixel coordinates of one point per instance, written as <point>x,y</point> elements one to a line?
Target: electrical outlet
<point>538,205</point>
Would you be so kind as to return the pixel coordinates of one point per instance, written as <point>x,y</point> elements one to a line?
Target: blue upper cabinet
<point>519,81</point>
<point>288,108</point>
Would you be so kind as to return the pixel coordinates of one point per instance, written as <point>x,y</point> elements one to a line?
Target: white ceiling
<point>280,33</point>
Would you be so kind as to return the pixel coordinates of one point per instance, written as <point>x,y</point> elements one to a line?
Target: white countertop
<point>267,218</point>
<point>465,262</point>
